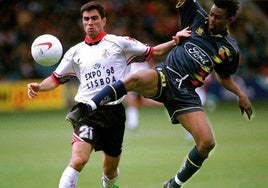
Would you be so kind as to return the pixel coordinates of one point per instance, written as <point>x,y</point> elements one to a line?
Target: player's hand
<point>33,89</point>
<point>186,32</point>
<point>245,106</point>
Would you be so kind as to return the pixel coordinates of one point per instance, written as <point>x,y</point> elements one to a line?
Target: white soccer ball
<point>46,50</point>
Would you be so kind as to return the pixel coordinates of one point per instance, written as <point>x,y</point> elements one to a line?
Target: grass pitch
<point>35,149</point>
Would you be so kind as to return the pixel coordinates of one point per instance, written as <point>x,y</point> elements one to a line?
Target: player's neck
<point>96,40</point>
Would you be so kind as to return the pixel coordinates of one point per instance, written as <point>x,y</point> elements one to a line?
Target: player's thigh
<point>143,82</point>
<point>80,153</point>
<point>198,125</point>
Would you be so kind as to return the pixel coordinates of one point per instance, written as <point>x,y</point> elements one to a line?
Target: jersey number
<point>86,132</point>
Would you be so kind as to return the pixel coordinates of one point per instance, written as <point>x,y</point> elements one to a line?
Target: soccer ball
<point>46,50</point>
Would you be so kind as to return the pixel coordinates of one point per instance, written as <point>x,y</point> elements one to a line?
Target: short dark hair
<point>231,6</point>
<point>94,5</point>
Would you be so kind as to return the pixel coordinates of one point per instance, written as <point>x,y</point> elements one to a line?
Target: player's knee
<point>134,78</point>
<point>132,81</point>
<point>78,162</point>
<point>210,144</point>
<point>205,146</point>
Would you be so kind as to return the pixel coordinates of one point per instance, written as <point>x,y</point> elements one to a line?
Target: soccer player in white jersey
<point>99,60</point>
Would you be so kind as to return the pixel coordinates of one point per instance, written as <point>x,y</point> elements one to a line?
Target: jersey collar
<point>91,42</point>
<point>219,35</point>
<point>224,33</point>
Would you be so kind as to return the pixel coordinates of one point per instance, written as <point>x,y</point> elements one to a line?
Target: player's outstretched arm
<point>164,48</point>
<point>243,101</point>
<point>46,85</point>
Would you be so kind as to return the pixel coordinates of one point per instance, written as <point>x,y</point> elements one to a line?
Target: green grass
<point>35,149</point>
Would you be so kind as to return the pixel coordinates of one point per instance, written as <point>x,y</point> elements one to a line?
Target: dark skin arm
<point>243,101</point>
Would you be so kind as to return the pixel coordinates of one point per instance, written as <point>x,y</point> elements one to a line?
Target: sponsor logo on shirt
<point>198,54</point>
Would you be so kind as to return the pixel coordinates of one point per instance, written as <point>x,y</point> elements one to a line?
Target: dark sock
<point>174,184</point>
<point>110,93</point>
<point>193,162</point>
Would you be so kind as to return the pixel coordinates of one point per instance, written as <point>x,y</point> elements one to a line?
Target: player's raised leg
<point>143,82</point>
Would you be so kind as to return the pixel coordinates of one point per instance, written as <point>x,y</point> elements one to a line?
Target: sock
<point>69,178</point>
<point>193,162</point>
<point>132,117</point>
<point>107,94</point>
<point>107,183</point>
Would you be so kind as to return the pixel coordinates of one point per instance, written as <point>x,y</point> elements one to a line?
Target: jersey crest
<point>199,31</point>
<point>105,54</point>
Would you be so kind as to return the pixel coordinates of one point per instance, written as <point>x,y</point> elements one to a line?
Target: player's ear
<point>232,19</point>
<point>104,20</point>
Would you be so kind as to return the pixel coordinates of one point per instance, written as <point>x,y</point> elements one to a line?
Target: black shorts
<point>103,129</point>
<point>178,98</point>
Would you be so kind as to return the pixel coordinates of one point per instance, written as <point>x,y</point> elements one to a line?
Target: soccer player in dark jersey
<point>210,47</point>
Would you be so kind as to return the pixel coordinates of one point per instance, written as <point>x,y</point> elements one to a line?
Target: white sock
<point>69,178</point>
<point>107,183</point>
<point>132,118</point>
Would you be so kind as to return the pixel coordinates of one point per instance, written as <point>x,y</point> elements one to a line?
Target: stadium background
<point>151,22</point>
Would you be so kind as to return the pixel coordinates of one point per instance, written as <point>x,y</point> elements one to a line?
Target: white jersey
<point>135,67</point>
<point>101,64</point>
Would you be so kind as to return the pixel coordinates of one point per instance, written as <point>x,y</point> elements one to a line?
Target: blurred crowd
<point>151,21</point>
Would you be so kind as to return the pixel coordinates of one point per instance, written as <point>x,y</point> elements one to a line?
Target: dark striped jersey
<point>197,56</point>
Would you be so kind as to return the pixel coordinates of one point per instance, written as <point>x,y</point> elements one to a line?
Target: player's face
<point>93,23</point>
<point>217,20</point>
